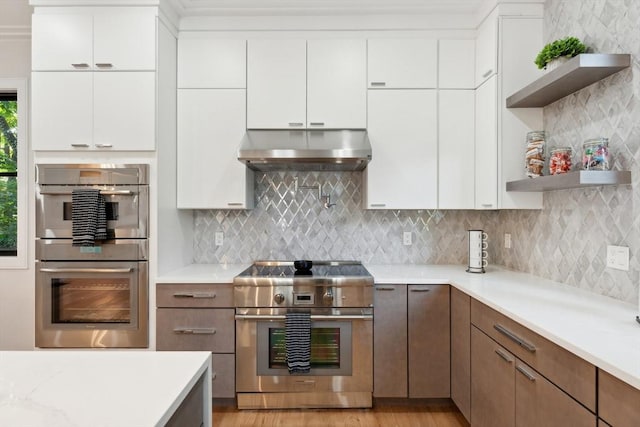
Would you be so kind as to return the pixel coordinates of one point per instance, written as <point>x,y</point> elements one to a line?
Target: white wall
<point>17,289</point>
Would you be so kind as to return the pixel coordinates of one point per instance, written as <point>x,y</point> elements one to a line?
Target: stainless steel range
<point>337,297</point>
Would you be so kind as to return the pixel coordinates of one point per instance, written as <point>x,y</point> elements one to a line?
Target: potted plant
<point>563,48</point>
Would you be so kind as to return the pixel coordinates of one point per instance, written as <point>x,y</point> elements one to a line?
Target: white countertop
<point>601,330</point>
<point>97,388</point>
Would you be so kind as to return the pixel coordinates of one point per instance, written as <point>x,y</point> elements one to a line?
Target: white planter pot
<point>556,63</point>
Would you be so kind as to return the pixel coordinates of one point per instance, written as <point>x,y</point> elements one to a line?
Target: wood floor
<point>386,414</point>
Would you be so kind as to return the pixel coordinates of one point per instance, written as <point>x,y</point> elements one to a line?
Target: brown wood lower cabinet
<point>411,341</point>
<point>461,351</point>
<point>618,402</point>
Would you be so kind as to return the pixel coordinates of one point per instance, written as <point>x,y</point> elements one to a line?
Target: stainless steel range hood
<point>305,150</point>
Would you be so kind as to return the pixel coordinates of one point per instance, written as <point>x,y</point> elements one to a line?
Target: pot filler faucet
<point>325,199</point>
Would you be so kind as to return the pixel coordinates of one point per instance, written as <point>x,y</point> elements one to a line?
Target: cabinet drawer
<point>569,372</point>
<point>195,329</point>
<point>194,295</point>
<point>618,402</point>
<point>223,375</point>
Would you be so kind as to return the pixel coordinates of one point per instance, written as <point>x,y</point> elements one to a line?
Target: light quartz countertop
<point>599,329</point>
<point>59,388</point>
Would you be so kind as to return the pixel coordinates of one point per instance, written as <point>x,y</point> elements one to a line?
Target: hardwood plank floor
<point>386,414</point>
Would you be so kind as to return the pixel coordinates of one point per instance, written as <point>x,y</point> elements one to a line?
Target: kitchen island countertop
<point>98,388</point>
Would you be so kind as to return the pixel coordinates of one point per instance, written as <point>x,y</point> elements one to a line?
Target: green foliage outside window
<point>8,175</point>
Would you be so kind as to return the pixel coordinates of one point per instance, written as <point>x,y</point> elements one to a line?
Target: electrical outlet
<point>618,257</point>
<point>219,238</point>
<point>507,240</point>
<point>406,238</point>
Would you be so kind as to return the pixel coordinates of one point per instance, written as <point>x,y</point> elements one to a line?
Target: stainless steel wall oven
<point>93,295</point>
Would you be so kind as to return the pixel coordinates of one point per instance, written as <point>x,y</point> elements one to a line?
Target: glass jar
<point>534,158</point>
<point>560,160</point>
<point>595,154</point>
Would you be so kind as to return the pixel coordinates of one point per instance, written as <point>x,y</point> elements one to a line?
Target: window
<point>14,179</point>
<point>8,174</point>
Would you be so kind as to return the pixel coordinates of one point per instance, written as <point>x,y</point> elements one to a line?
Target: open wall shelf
<point>577,179</point>
<point>577,73</point>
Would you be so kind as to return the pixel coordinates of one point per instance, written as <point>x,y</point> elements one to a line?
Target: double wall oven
<point>93,295</point>
<point>338,297</point>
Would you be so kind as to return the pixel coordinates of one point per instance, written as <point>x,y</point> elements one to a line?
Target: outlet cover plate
<point>618,257</point>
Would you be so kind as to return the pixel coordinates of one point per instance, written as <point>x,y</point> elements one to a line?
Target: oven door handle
<point>103,192</point>
<point>313,317</point>
<point>87,270</point>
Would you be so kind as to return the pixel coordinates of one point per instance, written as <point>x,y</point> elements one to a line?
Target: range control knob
<point>327,298</point>
<point>278,298</point>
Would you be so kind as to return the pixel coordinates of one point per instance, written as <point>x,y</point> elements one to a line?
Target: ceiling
<point>326,7</point>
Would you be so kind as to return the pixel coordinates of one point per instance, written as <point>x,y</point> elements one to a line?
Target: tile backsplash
<point>289,225</point>
<point>566,241</point>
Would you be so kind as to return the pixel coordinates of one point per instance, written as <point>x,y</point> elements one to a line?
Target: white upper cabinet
<point>276,84</point>
<point>487,49</point>
<point>211,123</point>
<point>403,173</point>
<point>300,84</point>
<point>456,145</point>
<point>456,64</point>
<point>336,89</point>
<point>486,152</point>
<point>402,63</point>
<point>212,63</point>
<point>122,39</point>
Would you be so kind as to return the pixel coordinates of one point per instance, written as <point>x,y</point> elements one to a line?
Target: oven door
<point>96,304</point>
<point>127,209</point>
<point>341,352</point>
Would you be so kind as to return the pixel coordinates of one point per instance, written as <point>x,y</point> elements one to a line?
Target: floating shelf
<point>578,179</point>
<point>577,73</point>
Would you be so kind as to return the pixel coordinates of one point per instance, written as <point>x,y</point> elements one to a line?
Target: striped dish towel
<point>88,217</point>
<point>298,342</point>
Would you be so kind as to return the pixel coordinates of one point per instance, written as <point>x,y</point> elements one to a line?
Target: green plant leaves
<point>569,46</point>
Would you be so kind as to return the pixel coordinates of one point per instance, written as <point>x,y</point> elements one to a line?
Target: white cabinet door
<point>124,110</point>
<point>276,84</point>
<point>402,127</point>
<point>61,42</point>
<point>456,62</point>
<point>124,40</point>
<point>118,40</point>
<point>402,63</point>
<point>487,49</point>
<point>212,63</point>
<point>211,123</point>
<point>61,110</point>
<point>336,88</point>
<point>486,160</point>
<point>456,149</point>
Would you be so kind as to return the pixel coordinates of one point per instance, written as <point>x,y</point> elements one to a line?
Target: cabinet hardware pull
<point>194,295</point>
<point>306,381</point>
<point>87,270</point>
<point>526,373</point>
<point>486,74</point>
<point>80,145</point>
<point>486,205</point>
<point>313,317</point>
<point>214,374</point>
<point>80,65</point>
<point>384,288</point>
<point>103,192</point>
<point>378,205</point>
<point>316,123</point>
<point>378,83</point>
<point>195,331</point>
<point>234,204</point>
<point>295,124</point>
<point>420,290</point>
<point>513,337</point>
<point>104,65</point>
<point>104,145</point>
<point>503,356</point>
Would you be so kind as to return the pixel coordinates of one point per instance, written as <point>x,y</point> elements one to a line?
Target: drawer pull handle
<point>486,73</point>
<point>513,337</point>
<point>194,295</point>
<point>295,124</point>
<point>104,145</point>
<point>503,356</point>
<point>378,205</point>
<point>316,123</point>
<point>235,204</point>
<point>195,331</point>
<point>80,65</point>
<point>378,83</point>
<point>104,65</point>
<point>80,145</point>
<point>421,290</point>
<point>384,288</point>
<point>526,373</point>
